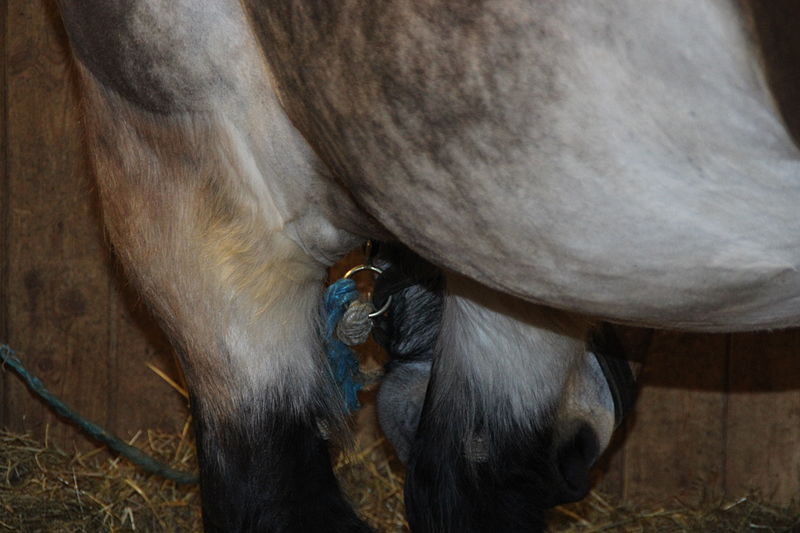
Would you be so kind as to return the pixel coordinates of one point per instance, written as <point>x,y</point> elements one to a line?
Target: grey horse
<point>560,161</point>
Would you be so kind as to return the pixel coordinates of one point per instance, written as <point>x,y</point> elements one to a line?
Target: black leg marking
<point>504,485</point>
<point>270,474</point>
<point>447,491</point>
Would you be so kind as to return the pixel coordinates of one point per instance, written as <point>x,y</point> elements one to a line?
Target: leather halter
<point>608,350</point>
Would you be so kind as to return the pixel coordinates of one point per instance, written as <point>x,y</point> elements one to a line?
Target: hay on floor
<point>44,489</point>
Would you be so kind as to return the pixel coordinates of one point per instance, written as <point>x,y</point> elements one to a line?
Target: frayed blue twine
<point>135,455</point>
<point>342,360</point>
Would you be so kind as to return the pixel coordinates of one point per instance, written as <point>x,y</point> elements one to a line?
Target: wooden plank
<point>763,451</point>
<point>58,291</point>
<point>676,444</point>
<point>4,200</point>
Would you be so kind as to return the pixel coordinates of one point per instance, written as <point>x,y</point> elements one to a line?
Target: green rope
<point>135,455</point>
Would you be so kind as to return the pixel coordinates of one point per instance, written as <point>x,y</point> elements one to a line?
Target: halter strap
<point>607,349</point>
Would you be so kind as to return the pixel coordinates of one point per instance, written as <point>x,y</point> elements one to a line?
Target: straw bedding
<point>44,489</point>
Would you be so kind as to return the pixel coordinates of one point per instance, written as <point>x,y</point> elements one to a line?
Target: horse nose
<point>574,457</point>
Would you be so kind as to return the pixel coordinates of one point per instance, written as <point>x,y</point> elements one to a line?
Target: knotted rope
<point>135,455</point>
<point>354,327</point>
<point>346,322</point>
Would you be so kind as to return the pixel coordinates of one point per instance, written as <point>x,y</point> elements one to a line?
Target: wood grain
<point>57,292</point>
<point>763,444</point>
<point>70,315</point>
<point>675,447</point>
<point>4,199</point>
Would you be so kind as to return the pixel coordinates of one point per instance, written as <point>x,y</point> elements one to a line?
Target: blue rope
<point>341,358</point>
<point>135,455</point>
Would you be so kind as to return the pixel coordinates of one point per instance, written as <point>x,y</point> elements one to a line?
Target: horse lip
<point>610,355</point>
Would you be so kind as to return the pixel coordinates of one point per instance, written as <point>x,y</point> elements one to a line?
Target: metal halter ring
<point>378,272</point>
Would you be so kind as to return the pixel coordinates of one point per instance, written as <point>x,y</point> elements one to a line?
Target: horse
<point>560,162</point>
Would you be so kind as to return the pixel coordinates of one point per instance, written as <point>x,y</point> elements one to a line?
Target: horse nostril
<point>574,458</point>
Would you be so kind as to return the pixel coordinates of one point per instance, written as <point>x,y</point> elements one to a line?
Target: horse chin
<point>598,398</point>
<point>400,401</point>
<point>574,458</point>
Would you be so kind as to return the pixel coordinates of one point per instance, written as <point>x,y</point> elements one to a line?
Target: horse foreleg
<point>239,299</point>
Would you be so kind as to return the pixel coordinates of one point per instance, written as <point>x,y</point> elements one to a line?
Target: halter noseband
<point>607,349</point>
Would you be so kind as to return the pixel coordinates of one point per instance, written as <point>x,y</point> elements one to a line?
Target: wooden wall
<point>717,413</point>
<point>63,306</point>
